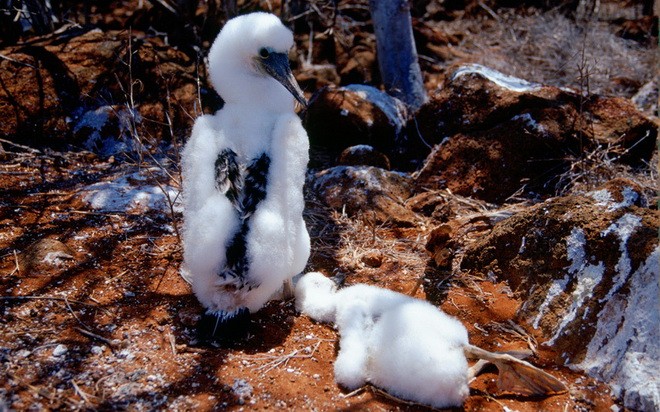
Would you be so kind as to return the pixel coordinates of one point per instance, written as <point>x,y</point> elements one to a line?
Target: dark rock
<point>363,155</point>
<point>643,30</point>
<point>338,118</point>
<point>372,193</point>
<point>107,130</point>
<point>586,267</point>
<point>439,245</point>
<point>496,135</point>
<point>42,254</point>
<point>49,88</point>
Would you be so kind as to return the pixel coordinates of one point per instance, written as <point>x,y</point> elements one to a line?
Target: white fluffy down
<point>257,118</point>
<point>233,50</point>
<point>404,345</point>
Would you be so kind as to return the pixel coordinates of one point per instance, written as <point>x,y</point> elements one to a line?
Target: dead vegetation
<point>125,319</point>
<point>549,48</point>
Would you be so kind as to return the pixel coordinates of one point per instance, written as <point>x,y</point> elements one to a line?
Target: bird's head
<point>248,62</point>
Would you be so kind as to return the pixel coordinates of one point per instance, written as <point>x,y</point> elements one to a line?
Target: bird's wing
<point>290,141</point>
<point>289,153</point>
<point>254,185</point>
<point>199,161</point>
<point>228,176</point>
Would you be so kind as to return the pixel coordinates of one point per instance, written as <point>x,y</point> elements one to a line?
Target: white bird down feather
<point>409,347</point>
<point>243,173</point>
<point>404,345</point>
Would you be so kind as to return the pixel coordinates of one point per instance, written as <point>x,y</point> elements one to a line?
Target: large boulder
<point>363,155</point>
<point>495,134</point>
<point>372,193</point>
<point>338,118</point>
<point>66,88</point>
<point>587,268</point>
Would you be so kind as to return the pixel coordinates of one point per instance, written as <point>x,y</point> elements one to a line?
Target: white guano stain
<point>624,350</point>
<point>604,198</point>
<point>623,229</point>
<point>503,80</point>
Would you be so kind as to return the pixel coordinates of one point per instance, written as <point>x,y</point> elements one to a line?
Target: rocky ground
<point>525,206</point>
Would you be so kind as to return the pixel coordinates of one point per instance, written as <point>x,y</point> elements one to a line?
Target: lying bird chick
<point>407,346</point>
<point>243,173</point>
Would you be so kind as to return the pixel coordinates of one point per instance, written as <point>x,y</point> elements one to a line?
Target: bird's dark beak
<point>277,66</point>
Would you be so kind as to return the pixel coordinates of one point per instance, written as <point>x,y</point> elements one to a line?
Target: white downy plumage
<point>409,347</point>
<point>404,345</point>
<point>243,173</point>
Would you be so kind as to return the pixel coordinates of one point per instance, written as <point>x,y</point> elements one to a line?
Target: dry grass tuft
<point>344,244</point>
<point>546,48</point>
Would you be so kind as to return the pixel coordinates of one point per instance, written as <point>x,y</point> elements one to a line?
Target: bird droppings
<point>392,107</point>
<point>630,364</point>
<point>508,82</point>
<point>109,130</point>
<point>242,390</point>
<point>530,122</point>
<point>586,277</point>
<point>581,299</point>
<point>134,193</point>
<point>81,303</point>
<point>604,197</point>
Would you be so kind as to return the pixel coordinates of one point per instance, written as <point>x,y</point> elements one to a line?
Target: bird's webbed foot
<point>224,328</point>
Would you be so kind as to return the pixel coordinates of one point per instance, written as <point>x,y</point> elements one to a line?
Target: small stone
<point>97,350</point>
<point>364,155</point>
<point>60,350</point>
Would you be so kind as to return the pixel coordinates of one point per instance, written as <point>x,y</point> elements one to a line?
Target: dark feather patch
<point>252,183</point>
<point>227,176</point>
<point>237,262</point>
<point>256,176</point>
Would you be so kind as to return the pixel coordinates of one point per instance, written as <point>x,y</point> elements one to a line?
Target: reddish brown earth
<point>127,319</point>
<point>110,325</point>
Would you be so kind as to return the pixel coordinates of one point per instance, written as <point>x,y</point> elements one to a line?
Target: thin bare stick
<point>172,340</point>
<point>17,268</point>
<point>95,336</point>
<point>77,302</point>
<point>2,56</point>
<point>66,302</point>
<point>418,284</point>
<point>84,396</point>
<point>20,146</point>
<point>276,361</point>
<point>355,392</point>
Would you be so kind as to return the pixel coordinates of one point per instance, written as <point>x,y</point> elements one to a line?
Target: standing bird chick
<point>243,174</point>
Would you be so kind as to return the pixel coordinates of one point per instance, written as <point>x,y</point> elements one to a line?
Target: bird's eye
<point>264,53</point>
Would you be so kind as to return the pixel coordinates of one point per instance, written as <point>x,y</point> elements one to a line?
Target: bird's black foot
<point>224,329</point>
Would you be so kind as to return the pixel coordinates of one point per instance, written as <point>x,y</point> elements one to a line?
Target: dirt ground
<point>110,324</point>
<point>95,316</point>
